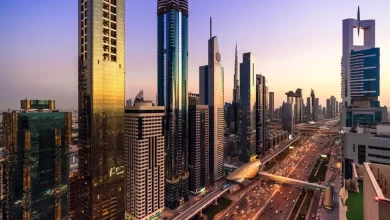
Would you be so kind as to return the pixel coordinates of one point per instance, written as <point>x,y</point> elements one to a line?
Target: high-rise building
<point>37,141</point>
<point>74,183</point>
<point>101,90</point>
<point>328,109</point>
<point>145,160</point>
<point>309,110</point>
<point>193,99</point>
<point>203,84</point>
<point>261,114</point>
<point>298,110</point>
<point>172,77</point>
<point>288,121</point>
<point>247,125</point>
<point>236,93</point>
<point>198,147</point>
<point>360,63</point>
<point>316,108</point>
<point>271,105</point>
<point>129,102</point>
<point>216,105</point>
<point>333,107</point>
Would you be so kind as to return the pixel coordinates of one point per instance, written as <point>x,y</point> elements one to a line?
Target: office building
<point>360,72</point>
<point>309,110</point>
<point>316,109</point>
<point>288,121</point>
<point>261,114</point>
<point>37,142</point>
<point>193,99</point>
<point>333,107</point>
<point>198,147</point>
<point>298,103</point>
<point>101,89</point>
<point>247,129</point>
<point>74,183</point>
<point>3,187</point>
<point>354,116</point>
<point>129,102</point>
<point>215,101</point>
<point>203,84</point>
<point>144,159</point>
<point>324,113</point>
<point>236,93</point>
<point>337,108</point>
<point>172,78</point>
<point>271,105</point>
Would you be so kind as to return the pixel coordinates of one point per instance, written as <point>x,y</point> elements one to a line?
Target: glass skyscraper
<point>101,94</point>
<point>247,127</point>
<point>172,65</point>
<point>37,182</point>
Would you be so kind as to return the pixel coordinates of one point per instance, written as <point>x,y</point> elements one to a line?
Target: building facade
<point>271,105</point>
<point>172,78</point>
<point>236,93</point>
<point>101,89</point>
<point>145,161</point>
<point>261,114</point>
<point>288,121</point>
<point>247,127</point>
<point>198,147</point>
<point>193,99</point>
<point>37,143</point>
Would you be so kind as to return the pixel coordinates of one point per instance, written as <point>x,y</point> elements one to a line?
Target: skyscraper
<point>261,114</point>
<point>198,147</point>
<point>314,109</point>
<point>101,94</point>
<point>214,90</point>
<point>288,121</point>
<point>271,105</point>
<point>37,141</point>
<point>309,110</point>
<point>360,63</point>
<point>172,79</point>
<point>145,159</point>
<point>236,92</point>
<point>193,99</point>
<point>298,106</point>
<point>247,127</point>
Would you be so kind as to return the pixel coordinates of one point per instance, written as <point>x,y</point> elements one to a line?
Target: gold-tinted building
<point>101,87</point>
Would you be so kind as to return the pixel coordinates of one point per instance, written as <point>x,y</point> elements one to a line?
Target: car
<point>313,216</point>
<point>293,201</point>
<point>276,212</point>
<point>271,201</point>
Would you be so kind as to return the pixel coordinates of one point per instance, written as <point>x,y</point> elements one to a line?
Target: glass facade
<point>353,119</point>
<point>172,65</point>
<point>364,66</point>
<point>101,92</point>
<point>38,168</point>
<point>247,127</point>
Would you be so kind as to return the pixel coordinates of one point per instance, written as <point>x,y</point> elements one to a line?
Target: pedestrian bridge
<point>282,179</point>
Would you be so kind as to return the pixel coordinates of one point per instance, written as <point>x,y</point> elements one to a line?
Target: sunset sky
<point>297,44</point>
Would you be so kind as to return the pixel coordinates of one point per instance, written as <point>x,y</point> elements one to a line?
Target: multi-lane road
<point>283,201</point>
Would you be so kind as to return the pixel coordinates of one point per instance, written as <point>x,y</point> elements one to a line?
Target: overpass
<point>291,181</point>
<point>280,149</point>
<point>203,203</point>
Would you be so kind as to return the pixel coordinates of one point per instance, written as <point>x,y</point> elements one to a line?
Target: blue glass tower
<point>172,61</point>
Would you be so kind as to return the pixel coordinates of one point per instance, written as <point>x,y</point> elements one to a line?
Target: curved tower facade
<point>172,61</point>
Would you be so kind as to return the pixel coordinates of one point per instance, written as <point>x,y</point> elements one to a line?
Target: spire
<point>211,28</point>
<point>358,20</point>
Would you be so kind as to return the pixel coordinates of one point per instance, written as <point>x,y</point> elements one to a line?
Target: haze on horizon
<point>297,44</point>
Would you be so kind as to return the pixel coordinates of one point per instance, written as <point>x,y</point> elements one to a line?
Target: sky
<point>297,44</point>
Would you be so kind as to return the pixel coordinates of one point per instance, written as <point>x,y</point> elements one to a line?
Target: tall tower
<point>236,93</point>
<point>101,94</point>
<point>313,107</point>
<point>261,114</point>
<point>360,64</point>
<point>248,107</point>
<point>172,75</point>
<point>145,159</point>
<point>271,105</point>
<point>37,143</point>
<point>216,105</point>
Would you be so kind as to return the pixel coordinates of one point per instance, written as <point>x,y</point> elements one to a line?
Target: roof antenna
<point>211,27</point>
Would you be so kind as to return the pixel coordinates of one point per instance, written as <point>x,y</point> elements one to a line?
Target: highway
<point>299,166</point>
<point>278,150</point>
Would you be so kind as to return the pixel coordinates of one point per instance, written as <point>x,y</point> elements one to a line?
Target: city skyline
<point>277,57</point>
